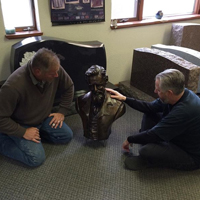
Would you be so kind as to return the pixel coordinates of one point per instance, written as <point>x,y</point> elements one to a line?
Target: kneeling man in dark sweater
<point>26,101</point>
<point>170,131</point>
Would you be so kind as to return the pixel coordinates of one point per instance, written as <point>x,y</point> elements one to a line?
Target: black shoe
<point>136,163</point>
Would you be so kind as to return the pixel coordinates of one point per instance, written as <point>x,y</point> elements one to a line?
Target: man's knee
<point>62,138</point>
<point>146,150</point>
<point>59,135</point>
<point>69,136</point>
<point>36,158</point>
<point>65,138</point>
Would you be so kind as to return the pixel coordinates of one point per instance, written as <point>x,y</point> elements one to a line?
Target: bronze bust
<point>96,108</point>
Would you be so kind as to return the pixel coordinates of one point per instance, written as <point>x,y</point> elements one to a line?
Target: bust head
<point>97,79</point>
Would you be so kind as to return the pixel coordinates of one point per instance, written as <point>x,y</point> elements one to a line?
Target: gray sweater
<point>22,103</point>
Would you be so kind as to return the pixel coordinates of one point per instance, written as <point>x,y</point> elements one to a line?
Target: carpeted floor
<point>93,171</point>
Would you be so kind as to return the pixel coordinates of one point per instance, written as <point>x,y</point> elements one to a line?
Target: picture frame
<point>71,1</point>
<point>58,4</point>
<point>86,1</point>
<point>96,3</point>
<point>77,12</point>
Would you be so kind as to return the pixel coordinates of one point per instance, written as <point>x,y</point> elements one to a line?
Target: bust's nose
<point>94,87</point>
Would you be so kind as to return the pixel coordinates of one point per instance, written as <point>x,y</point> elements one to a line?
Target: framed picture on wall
<point>66,12</point>
<point>58,4</point>
<point>86,1</point>
<point>96,3</point>
<point>71,1</point>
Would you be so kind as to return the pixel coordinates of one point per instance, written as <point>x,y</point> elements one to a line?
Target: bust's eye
<point>100,87</point>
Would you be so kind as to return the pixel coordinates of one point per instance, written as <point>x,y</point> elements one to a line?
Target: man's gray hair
<point>44,59</point>
<point>171,79</point>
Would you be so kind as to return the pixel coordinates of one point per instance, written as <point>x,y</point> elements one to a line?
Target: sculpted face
<point>97,86</point>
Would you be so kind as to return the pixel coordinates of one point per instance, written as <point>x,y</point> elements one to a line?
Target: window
<point>20,18</point>
<point>123,10</point>
<point>169,7</point>
<point>142,12</point>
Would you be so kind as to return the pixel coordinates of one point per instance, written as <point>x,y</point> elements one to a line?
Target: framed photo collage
<point>66,12</point>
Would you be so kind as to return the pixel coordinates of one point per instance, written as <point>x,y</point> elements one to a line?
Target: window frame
<point>138,21</point>
<point>23,32</point>
<point>34,27</point>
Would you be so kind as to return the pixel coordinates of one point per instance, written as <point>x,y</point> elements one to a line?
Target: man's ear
<point>37,72</point>
<point>170,92</point>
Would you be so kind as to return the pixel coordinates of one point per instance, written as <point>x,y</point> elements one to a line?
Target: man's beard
<point>164,101</point>
<point>98,98</point>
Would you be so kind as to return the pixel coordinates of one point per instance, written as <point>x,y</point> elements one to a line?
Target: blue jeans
<point>29,152</point>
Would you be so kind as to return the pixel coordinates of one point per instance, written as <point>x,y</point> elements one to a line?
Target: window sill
<point>153,21</point>
<point>23,34</point>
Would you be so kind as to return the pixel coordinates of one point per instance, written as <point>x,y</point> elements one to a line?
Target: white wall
<point>119,43</point>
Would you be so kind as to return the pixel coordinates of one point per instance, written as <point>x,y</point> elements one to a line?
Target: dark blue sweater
<point>180,123</point>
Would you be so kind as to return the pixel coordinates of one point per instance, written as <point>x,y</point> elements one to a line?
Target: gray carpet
<point>91,171</point>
